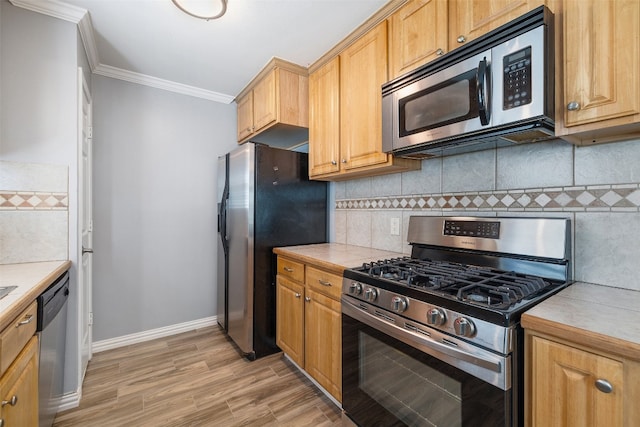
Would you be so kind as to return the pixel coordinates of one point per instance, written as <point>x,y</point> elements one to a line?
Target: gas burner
<point>477,285</point>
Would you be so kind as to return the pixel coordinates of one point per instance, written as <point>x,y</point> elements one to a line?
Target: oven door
<point>450,102</point>
<point>394,374</point>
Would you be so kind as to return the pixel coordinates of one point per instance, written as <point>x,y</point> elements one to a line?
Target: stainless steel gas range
<point>434,339</point>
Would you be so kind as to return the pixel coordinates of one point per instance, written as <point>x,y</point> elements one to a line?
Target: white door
<point>85,221</point>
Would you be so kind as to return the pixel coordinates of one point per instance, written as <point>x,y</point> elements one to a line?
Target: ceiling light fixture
<point>181,4</point>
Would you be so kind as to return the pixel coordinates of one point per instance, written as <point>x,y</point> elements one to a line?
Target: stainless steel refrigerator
<point>265,200</point>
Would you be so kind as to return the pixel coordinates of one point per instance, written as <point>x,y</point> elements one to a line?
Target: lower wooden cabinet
<point>573,385</point>
<point>290,318</point>
<point>308,321</point>
<point>323,341</point>
<point>19,389</point>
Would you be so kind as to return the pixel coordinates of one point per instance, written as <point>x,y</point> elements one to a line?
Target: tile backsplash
<point>34,212</point>
<point>597,187</point>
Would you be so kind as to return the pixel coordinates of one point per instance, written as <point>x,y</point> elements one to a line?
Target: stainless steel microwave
<point>495,91</point>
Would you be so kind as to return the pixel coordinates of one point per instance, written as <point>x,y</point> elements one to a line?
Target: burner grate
<point>477,285</point>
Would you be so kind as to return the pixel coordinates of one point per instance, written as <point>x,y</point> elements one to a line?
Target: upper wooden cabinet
<point>418,33</point>
<point>598,80</point>
<point>277,101</point>
<point>345,138</point>
<point>324,119</point>
<point>469,19</point>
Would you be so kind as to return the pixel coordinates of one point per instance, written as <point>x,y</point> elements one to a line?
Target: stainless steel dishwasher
<point>52,329</point>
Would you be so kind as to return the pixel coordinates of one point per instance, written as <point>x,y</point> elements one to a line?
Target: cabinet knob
<point>333,162</point>
<point>307,299</point>
<point>573,106</point>
<point>12,402</point>
<point>604,386</point>
<point>461,39</point>
<point>439,52</point>
<point>344,160</point>
<point>297,295</point>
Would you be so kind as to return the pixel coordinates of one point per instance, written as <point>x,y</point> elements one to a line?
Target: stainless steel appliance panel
<point>240,223</point>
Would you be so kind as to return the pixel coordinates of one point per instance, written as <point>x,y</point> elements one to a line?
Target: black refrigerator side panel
<point>290,210</point>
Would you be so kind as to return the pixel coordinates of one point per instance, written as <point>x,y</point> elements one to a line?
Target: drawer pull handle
<point>12,402</point>
<point>604,386</point>
<point>324,283</point>
<point>288,269</point>
<point>27,319</point>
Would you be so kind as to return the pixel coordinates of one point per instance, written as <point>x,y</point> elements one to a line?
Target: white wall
<point>597,187</point>
<point>38,124</point>
<point>155,219</point>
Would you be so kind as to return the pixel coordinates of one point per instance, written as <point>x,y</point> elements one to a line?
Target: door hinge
<point>91,318</point>
<point>90,225</point>
<point>90,132</point>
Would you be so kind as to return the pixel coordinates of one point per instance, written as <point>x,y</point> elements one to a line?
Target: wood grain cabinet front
<point>277,97</point>
<point>308,321</point>
<point>19,389</point>
<point>575,385</point>
<point>598,72</point>
<point>345,137</point>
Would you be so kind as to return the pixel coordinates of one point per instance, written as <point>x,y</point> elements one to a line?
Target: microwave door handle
<point>483,92</point>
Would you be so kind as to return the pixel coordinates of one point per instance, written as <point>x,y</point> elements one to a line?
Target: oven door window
<point>388,383</point>
<point>451,101</point>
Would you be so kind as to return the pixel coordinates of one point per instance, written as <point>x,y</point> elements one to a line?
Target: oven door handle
<point>413,339</point>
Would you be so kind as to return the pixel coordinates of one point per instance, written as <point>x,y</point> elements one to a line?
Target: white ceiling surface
<point>154,38</point>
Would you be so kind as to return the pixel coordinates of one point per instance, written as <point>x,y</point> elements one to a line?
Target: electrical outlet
<point>395,226</point>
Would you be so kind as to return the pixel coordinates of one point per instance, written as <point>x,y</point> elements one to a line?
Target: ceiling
<point>153,41</point>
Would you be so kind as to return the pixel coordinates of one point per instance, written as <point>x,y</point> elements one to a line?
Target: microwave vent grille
<point>532,135</point>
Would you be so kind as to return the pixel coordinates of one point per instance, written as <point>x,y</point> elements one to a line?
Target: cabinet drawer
<point>324,282</point>
<point>291,269</point>
<point>14,337</point>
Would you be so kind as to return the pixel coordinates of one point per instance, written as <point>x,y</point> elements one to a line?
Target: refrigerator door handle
<point>222,220</point>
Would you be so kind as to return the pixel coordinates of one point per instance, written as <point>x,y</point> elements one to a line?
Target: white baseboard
<point>152,334</point>
<point>70,400</point>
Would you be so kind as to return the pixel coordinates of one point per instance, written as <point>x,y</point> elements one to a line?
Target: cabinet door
<point>469,19</point>
<point>417,35</point>
<point>20,382</point>
<point>265,101</point>
<point>323,342</point>
<point>363,71</point>
<point>601,47</point>
<point>245,116</point>
<point>564,390</point>
<point>324,119</point>
<point>290,319</point>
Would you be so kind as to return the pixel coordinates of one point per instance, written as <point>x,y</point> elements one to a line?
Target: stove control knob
<point>355,288</point>
<point>371,294</point>
<point>436,317</point>
<point>464,327</point>
<point>399,304</point>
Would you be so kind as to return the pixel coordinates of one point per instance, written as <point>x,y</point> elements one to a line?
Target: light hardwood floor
<point>196,379</point>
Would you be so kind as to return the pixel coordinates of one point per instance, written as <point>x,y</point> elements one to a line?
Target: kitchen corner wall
<point>34,212</point>
<point>597,187</point>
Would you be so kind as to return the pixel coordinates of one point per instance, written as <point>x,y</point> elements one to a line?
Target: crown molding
<point>82,19</point>
<point>168,85</point>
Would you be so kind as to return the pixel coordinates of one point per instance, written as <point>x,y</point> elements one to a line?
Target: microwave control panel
<point>517,79</point>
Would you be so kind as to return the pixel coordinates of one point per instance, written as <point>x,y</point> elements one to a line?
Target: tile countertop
<point>335,257</point>
<point>31,279</point>
<point>597,316</point>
